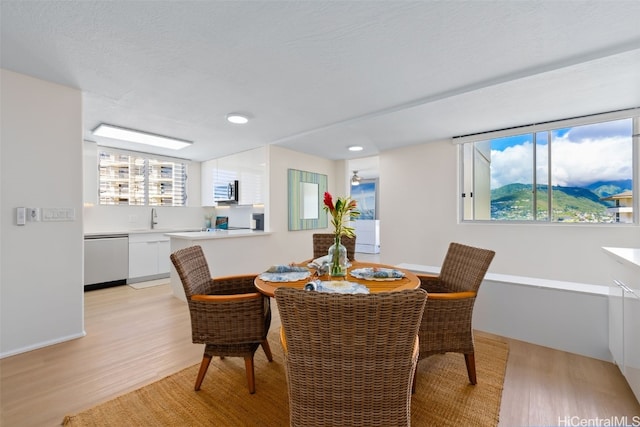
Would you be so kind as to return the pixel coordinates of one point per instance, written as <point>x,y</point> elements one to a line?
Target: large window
<point>134,179</point>
<point>582,173</point>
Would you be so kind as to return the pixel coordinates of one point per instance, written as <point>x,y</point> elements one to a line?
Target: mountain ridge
<point>513,201</point>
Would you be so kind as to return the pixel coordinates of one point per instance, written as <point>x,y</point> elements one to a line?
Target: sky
<point>581,155</point>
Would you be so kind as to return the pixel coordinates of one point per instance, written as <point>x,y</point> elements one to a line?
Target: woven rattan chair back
<point>233,323</point>
<point>193,270</point>
<point>447,322</point>
<point>323,241</point>
<point>350,359</point>
<point>464,267</point>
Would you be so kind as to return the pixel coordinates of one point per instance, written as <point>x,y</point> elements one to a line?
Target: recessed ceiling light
<point>237,118</point>
<point>355,148</point>
<point>131,135</point>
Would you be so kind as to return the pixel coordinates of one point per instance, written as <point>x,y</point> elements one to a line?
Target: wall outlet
<point>33,214</point>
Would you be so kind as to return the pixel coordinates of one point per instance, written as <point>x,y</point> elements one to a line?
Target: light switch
<point>21,216</point>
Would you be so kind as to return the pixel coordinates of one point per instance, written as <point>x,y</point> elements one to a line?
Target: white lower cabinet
<point>624,315</point>
<point>164,251</point>
<point>632,340</point>
<point>148,256</point>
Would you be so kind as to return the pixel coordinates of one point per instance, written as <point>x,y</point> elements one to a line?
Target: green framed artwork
<point>306,195</point>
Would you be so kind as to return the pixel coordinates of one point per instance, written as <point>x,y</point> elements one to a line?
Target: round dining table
<point>409,281</point>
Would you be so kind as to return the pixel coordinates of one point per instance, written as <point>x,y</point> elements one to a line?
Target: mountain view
<point>570,204</point>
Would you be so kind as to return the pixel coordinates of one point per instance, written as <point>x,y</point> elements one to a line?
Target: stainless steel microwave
<point>225,192</point>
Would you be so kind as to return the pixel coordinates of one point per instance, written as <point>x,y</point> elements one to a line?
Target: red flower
<point>328,202</point>
<point>343,211</point>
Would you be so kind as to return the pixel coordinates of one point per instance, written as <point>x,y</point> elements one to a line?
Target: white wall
<point>41,286</point>
<point>419,217</point>
<point>101,219</point>
<point>293,246</point>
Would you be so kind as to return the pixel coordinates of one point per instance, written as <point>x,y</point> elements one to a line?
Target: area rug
<point>443,395</point>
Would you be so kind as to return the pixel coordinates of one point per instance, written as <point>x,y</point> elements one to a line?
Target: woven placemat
<point>443,395</point>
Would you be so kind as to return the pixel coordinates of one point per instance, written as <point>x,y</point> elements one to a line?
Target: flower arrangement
<point>343,211</point>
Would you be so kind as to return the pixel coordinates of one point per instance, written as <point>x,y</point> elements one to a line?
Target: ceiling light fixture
<point>237,118</point>
<point>355,179</point>
<point>355,148</point>
<point>131,135</point>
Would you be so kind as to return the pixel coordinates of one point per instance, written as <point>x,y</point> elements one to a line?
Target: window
<point>134,179</point>
<point>563,172</point>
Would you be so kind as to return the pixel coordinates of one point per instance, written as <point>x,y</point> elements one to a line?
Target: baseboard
<point>42,345</point>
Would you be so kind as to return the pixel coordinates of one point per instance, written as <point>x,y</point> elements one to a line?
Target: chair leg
<point>248,363</point>
<point>470,360</point>
<point>204,365</point>
<point>267,350</point>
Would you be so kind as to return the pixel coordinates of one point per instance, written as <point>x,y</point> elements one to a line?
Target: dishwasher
<point>106,260</point>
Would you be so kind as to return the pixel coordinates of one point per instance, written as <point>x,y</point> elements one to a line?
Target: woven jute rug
<point>443,395</point>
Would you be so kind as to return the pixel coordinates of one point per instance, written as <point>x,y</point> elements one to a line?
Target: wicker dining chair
<point>349,358</point>
<point>322,242</point>
<point>446,324</point>
<point>228,314</point>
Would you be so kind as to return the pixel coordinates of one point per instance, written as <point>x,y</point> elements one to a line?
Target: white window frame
<point>179,166</point>
<point>465,182</point>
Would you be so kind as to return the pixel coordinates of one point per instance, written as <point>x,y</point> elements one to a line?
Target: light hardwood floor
<point>135,337</point>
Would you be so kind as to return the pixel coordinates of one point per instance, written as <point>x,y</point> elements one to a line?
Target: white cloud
<point>578,160</point>
<point>513,165</point>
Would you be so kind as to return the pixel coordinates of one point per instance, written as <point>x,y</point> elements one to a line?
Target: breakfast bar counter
<point>217,234</point>
<point>228,252</point>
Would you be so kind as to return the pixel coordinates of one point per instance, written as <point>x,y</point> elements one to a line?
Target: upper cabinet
<point>248,167</point>
<point>208,171</point>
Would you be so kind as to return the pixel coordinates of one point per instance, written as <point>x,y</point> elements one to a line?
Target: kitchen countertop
<point>630,256</point>
<point>141,231</point>
<point>217,234</point>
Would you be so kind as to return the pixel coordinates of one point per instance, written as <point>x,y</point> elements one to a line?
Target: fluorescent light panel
<point>131,135</point>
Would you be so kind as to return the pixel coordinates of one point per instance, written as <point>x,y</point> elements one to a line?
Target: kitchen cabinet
<point>148,256</point>
<point>632,339</point>
<point>216,175</point>
<point>248,167</point>
<point>624,313</point>
<point>252,176</point>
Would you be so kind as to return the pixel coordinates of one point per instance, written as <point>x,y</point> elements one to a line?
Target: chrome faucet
<point>154,217</point>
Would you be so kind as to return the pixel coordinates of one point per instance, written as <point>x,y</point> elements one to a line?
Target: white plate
<point>285,277</point>
<point>342,287</point>
<point>369,273</point>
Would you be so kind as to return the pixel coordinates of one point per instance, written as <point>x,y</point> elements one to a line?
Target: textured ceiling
<point>317,76</point>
